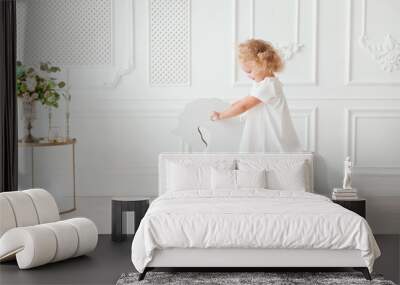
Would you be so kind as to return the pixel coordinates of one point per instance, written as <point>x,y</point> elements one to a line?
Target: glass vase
<point>29,115</point>
<point>50,122</point>
<point>67,117</point>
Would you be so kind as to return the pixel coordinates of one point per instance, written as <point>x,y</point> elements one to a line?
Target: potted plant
<point>37,85</point>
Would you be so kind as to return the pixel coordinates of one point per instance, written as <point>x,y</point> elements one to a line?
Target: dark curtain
<point>8,99</point>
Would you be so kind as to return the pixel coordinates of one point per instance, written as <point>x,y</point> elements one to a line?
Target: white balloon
<point>196,128</point>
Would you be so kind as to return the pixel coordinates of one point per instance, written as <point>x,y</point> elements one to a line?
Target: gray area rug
<point>269,278</point>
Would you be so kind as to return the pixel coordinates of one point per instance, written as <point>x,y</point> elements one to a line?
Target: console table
<point>42,143</point>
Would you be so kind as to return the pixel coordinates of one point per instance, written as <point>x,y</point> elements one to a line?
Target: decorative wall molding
<point>287,50</point>
<point>138,169</point>
<point>310,120</point>
<point>143,101</point>
<point>87,63</point>
<point>134,113</point>
<point>51,34</point>
<point>386,53</point>
<point>169,42</point>
<point>352,117</point>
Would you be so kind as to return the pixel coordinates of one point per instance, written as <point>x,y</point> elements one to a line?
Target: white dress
<point>268,126</point>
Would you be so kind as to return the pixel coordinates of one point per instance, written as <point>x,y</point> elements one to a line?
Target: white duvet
<point>251,218</point>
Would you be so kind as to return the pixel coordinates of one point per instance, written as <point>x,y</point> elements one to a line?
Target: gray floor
<point>109,260</point>
<point>103,266</point>
<point>389,262</point>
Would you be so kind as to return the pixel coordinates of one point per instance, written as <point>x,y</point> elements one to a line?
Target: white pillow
<point>237,179</point>
<point>188,174</point>
<point>223,179</point>
<point>251,178</point>
<point>184,177</point>
<point>284,174</point>
<point>287,179</point>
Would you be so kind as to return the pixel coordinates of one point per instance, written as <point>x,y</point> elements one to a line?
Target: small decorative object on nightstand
<point>347,192</point>
<point>347,179</point>
<point>358,206</point>
<point>344,194</point>
<point>139,205</point>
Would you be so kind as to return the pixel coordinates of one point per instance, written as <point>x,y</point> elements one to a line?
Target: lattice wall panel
<point>65,32</point>
<point>169,42</point>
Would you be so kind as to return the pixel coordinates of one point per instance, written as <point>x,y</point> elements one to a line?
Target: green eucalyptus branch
<point>39,85</point>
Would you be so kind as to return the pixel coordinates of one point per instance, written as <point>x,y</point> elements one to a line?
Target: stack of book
<point>344,194</point>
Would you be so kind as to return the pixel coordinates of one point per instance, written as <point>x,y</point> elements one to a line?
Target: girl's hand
<point>236,109</point>
<point>215,116</point>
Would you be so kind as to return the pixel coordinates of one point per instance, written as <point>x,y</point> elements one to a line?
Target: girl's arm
<point>236,102</point>
<point>237,108</point>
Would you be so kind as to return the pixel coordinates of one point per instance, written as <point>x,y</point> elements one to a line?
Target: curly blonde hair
<point>262,53</point>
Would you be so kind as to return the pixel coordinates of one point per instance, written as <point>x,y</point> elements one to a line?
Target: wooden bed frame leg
<point>143,274</point>
<point>364,271</point>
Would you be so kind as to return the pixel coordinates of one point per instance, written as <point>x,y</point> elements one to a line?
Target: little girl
<point>268,125</point>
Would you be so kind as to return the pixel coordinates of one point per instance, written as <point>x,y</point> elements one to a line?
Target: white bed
<point>249,227</point>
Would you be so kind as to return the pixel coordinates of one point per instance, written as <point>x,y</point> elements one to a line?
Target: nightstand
<point>139,205</point>
<point>358,206</point>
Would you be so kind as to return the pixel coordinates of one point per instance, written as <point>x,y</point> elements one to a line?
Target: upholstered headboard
<point>165,157</point>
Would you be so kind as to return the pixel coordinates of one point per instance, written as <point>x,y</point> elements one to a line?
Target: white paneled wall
<point>292,26</point>
<point>341,79</point>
